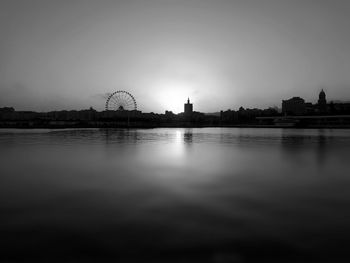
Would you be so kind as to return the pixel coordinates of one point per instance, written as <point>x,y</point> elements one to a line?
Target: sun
<point>172,96</point>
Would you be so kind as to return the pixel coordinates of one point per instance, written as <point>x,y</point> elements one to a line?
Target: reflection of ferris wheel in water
<point>121,100</point>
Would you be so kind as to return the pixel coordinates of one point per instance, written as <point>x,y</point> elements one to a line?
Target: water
<point>175,195</point>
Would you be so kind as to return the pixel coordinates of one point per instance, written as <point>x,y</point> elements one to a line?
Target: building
<point>293,106</point>
<point>322,102</point>
<point>309,108</point>
<point>339,108</point>
<point>188,107</point>
<point>7,110</point>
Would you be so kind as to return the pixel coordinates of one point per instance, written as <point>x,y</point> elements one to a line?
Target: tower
<point>188,107</point>
<point>322,102</point>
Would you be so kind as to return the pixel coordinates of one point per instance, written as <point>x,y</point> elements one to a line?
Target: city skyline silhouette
<point>172,131</point>
<point>67,55</point>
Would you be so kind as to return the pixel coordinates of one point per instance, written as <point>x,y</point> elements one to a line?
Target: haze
<point>222,54</point>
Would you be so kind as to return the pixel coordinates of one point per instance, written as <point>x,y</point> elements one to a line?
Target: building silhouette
<point>297,106</point>
<point>188,107</point>
<point>294,106</point>
<point>322,102</point>
<point>296,112</point>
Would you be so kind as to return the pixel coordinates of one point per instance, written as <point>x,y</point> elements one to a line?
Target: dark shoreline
<point>131,126</point>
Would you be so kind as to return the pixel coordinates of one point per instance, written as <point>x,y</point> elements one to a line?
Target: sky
<point>222,54</point>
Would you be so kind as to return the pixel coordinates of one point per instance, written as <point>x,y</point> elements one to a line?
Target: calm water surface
<point>175,195</point>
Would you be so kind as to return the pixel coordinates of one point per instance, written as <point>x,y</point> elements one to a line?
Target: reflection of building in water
<point>322,147</point>
<point>188,107</point>
<point>293,145</point>
<point>120,136</point>
<point>188,136</point>
<point>300,146</point>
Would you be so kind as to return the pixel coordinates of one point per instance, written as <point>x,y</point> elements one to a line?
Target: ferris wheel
<point>121,100</point>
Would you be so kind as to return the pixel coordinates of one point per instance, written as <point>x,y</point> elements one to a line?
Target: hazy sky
<point>221,54</point>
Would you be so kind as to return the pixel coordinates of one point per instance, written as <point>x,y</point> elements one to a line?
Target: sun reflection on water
<point>176,152</point>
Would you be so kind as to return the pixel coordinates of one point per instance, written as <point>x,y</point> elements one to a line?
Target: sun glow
<point>173,96</point>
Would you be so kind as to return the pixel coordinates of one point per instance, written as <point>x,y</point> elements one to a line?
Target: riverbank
<point>79,124</point>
